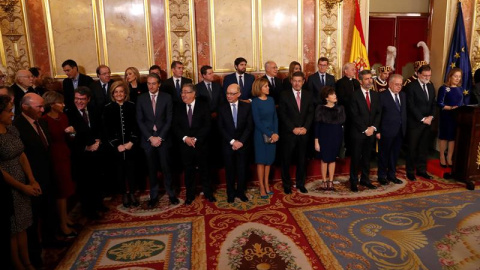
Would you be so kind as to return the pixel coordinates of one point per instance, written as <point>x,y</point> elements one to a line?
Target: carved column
<point>15,40</point>
<point>475,46</point>
<point>181,35</point>
<point>329,37</point>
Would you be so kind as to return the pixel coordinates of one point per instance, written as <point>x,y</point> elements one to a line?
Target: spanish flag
<point>359,55</point>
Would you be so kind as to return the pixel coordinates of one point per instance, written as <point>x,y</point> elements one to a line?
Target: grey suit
<point>162,121</point>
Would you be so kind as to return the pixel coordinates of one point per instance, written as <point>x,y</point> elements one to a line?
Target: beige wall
<point>400,6</point>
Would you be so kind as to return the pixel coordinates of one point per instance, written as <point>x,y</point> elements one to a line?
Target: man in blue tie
<point>240,77</point>
<point>320,79</point>
<point>174,84</point>
<point>393,127</point>
<point>236,126</point>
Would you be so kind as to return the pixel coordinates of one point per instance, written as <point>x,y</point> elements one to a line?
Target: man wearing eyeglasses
<point>23,84</point>
<point>236,126</point>
<point>100,89</point>
<point>191,125</point>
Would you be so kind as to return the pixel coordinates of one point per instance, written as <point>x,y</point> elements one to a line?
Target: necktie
<point>154,103</point>
<point>397,102</point>
<point>298,100</point>
<point>273,83</point>
<point>85,116</point>
<point>368,100</point>
<point>104,87</point>
<point>40,133</point>
<point>240,83</point>
<point>189,114</point>
<point>234,112</point>
<point>322,80</point>
<point>425,90</point>
<point>177,86</point>
<point>154,106</point>
<point>209,90</point>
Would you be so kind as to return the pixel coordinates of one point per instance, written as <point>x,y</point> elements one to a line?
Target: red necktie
<point>40,133</point>
<point>368,100</point>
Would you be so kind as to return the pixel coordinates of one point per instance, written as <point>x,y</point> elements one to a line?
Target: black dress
<point>329,131</point>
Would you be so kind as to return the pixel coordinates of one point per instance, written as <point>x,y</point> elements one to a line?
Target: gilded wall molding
<point>16,53</point>
<point>329,38</point>
<point>180,35</point>
<point>475,42</point>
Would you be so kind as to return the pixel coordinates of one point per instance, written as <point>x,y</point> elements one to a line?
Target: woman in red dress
<point>60,132</point>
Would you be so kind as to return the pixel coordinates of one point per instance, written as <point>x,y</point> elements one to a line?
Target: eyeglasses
<point>232,94</point>
<point>186,92</point>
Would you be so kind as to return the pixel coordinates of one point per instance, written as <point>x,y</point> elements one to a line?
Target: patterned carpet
<point>393,227</point>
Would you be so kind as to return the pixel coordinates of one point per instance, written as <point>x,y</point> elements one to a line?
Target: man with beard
<point>241,78</point>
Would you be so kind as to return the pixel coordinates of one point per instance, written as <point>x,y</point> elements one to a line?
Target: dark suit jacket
<point>315,86</point>
<point>226,125</point>
<point>344,89</point>
<point>83,80</point>
<point>289,115</point>
<point>248,80</point>
<point>18,94</point>
<point>418,106</point>
<point>392,119</point>
<point>85,134</point>
<point>275,91</point>
<point>218,96</point>
<point>162,118</point>
<point>169,87</point>
<point>38,156</point>
<point>200,123</point>
<point>361,117</point>
<point>99,98</point>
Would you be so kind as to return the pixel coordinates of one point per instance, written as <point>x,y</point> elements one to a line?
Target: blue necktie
<point>177,86</point>
<point>234,111</point>
<point>397,102</point>
<point>322,80</point>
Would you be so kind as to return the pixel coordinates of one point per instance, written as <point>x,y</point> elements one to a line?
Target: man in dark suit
<point>23,84</point>
<point>154,118</point>
<point>241,78</point>
<point>191,127</point>
<point>274,84</point>
<point>213,94</point>
<point>236,125</point>
<point>36,140</point>
<point>320,79</point>
<point>74,79</point>
<point>365,112</point>
<point>174,84</point>
<point>86,153</point>
<point>393,127</point>
<point>295,112</point>
<point>344,88</point>
<point>421,108</point>
<point>101,88</point>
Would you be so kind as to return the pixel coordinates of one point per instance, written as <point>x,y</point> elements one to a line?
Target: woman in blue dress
<point>450,97</point>
<point>265,134</point>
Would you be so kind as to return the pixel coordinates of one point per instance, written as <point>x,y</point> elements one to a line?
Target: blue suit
<point>247,84</point>
<point>393,127</point>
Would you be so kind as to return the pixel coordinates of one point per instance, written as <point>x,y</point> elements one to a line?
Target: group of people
<point>101,134</point>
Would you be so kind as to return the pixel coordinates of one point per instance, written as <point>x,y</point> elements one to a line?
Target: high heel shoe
<point>126,200</point>
<point>330,186</point>
<point>270,192</point>
<point>443,165</point>
<point>324,186</point>
<point>134,200</point>
<point>70,235</point>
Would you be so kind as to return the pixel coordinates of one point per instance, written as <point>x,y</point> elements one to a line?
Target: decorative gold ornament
<point>259,252</point>
<point>478,156</point>
<point>330,4</point>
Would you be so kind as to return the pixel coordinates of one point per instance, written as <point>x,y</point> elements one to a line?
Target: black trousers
<point>361,147</point>
<point>235,167</point>
<point>294,148</point>
<point>388,151</point>
<point>417,153</point>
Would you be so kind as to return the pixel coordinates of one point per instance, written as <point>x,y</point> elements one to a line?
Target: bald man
<point>274,83</point>
<point>23,84</point>
<point>36,140</point>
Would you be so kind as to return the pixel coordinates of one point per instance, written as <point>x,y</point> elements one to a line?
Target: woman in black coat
<point>122,134</point>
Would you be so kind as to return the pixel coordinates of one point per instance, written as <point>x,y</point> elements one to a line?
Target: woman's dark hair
<point>4,101</point>
<point>326,91</point>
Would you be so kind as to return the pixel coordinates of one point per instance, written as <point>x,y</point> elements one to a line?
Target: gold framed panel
<point>182,44</point>
<point>277,19</point>
<point>120,22</point>
<point>228,39</point>
<point>63,43</point>
<point>475,41</point>
<point>3,57</point>
<point>328,26</point>
<point>27,32</point>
